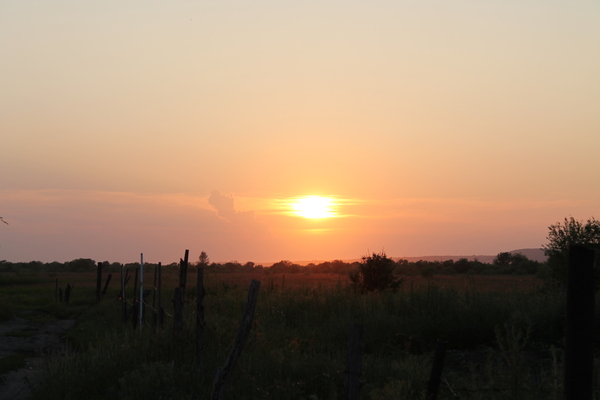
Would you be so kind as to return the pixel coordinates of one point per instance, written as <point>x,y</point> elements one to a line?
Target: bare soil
<point>36,340</point>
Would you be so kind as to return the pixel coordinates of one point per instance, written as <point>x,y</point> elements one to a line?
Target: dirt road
<point>36,340</point>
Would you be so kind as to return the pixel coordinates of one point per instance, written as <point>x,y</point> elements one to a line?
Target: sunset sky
<point>433,127</point>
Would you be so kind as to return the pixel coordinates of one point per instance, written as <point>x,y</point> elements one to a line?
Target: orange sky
<point>456,128</point>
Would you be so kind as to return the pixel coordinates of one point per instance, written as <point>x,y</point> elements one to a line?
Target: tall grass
<point>297,347</point>
<point>21,292</point>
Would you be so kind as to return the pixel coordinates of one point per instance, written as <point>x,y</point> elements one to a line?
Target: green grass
<point>18,292</point>
<point>297,346</point>
<point>9,279</point>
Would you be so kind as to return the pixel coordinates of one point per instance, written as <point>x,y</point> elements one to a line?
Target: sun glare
<point>313,207</point>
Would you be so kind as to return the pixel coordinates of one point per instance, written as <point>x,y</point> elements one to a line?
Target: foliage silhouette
<point>203,259</point>
<point>375,273</point>
<point>562,235</point>
<point>508,258</point>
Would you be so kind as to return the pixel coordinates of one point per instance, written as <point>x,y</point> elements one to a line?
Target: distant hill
<point>532,254</point>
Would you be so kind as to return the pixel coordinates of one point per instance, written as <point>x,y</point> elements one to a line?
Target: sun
<point>313,207</point>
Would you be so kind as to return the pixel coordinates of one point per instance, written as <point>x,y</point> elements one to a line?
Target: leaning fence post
<point>353,373</point>
<point>108,278</point>
<point>579,349</point>
<point>127,276</point>
<point>224,374</point>
<point>433,385</point>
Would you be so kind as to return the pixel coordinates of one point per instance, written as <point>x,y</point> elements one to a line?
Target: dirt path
<point>35,340</point>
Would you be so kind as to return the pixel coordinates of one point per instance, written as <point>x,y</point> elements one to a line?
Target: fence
<point>579,336</point>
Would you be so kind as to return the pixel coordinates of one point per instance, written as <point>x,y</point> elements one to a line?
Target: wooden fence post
<point>200,318</point>
<point>579,349</point>
<point>154,313</point>
<point>99,283</point>
<point>353,373</point>
<point>56,291</point>
<point>183,265</point>
<point>433,385</point>
<point>161,309</point>
<point>141,299</point>
<point>179,297</point>
<point>68,291</point>
<point>134,313</point>
<point>224,374</point>
<point>123,299</point>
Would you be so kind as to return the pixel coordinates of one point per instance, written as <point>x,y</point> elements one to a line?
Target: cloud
<point>226,210</point>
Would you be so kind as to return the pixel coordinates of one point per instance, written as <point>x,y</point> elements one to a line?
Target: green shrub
<point>375,273</point>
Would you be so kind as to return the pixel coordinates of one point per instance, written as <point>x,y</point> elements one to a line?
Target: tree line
<point>560,236</point>
<point>504,263</point>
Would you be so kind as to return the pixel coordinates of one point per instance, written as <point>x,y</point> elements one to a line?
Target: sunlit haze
<point>313,207</point>
<point>419,127</point>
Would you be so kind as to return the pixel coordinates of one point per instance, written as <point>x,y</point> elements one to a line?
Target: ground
<point>34,340</point>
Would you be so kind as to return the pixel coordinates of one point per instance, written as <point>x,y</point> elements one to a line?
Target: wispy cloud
<point>337,205</point>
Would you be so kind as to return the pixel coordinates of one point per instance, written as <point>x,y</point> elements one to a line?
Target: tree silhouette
<point>375,272</point>
<point>562,235</point>
<point>507,258</point>
<point>203,260</point>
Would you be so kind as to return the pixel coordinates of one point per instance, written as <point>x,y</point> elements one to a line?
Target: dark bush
<point>375,272</point>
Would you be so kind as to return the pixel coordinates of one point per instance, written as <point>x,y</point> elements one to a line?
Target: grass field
<point>505,338</point>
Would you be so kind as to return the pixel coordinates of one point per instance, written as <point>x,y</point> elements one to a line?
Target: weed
<point>512,338</point>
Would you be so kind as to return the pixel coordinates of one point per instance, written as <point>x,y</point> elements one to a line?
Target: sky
<point>434,127</point>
